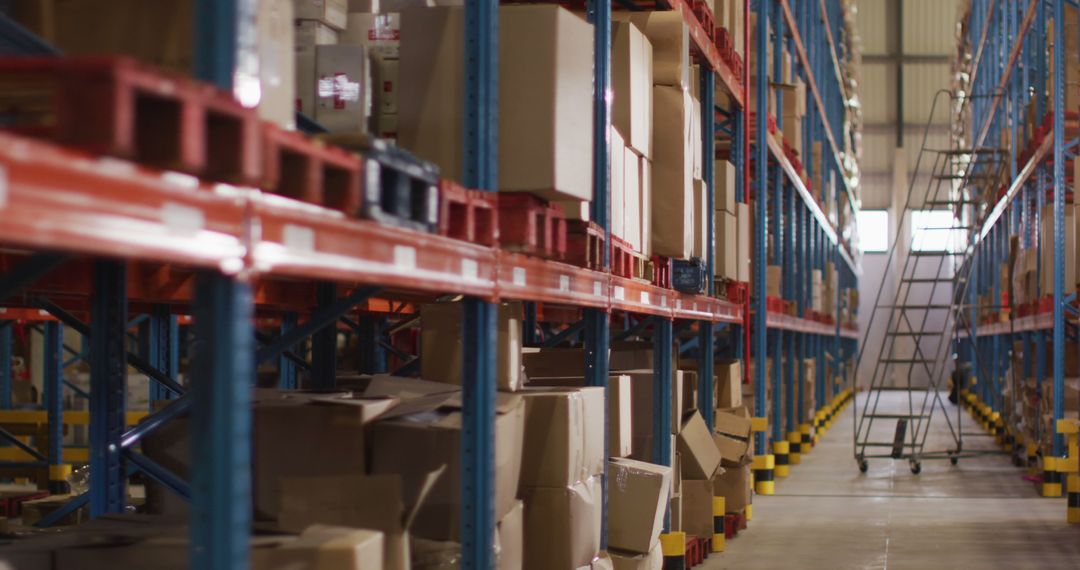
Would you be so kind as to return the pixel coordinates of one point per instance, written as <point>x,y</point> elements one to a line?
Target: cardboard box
<point>724,189</point>
<point>697,517</point>
<point>646,206</point>
<point>725,261</point>
<point>617,195</point>
<point>416,445</point>
<point>634,357</point>
<point>545,89</point>
<point>1046,225</point>
<point>308,35</point>
<point>343,88</point>
<point>440,344</point>
<point>641,382</point>
<point>375,502</point>
<point>511,539</point>
<point>562,525</point>
<point>564,436</point>
<point>330,12</point>
<point>701,221</point>
<point>277,75</point>
<point>728,383</point>
<point>672,173</point>
<point>772,281</point>
<point>601,562</point>
<point>700,456</point>
<point>631,84</point>
<point>670,39</point>
<point>575,209</point>
<point>742,258</point>
<point>554,362</point>
<point>734,422</point>
<point>620,425</point>
<point>654,560</point>
<point>632,198</point>
<point>734,483</point>
<point>638,494</point>
<point>379,33</point>
<point>732,450</point>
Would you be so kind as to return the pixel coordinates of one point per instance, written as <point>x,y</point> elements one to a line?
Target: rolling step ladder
<point>922,319</point>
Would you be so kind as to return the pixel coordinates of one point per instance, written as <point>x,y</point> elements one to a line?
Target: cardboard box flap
<point>504,402</point>
<point>367,408</point>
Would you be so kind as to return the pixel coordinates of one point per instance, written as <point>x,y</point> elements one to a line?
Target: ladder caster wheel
<point>863,466</point>
<point>916,467</point>
<point>954,460</point>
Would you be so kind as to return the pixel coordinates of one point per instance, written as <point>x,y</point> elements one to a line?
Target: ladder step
<point>948,203</point>
<point>929,279</point>
<point>896,389</point>
<point>916,333</point>
<point>881,444</point>
<point>896,416</point>
<point>938,253</point>
<point>907,361</point>
<point>926,306</point>
<point>943,228</point>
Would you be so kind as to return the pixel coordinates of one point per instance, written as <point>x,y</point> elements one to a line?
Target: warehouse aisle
<point>827,515</point>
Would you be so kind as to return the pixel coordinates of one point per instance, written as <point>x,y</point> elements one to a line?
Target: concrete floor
<point>980,514</point>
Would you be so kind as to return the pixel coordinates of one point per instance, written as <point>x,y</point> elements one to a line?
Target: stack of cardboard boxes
<point>376,25</point>
<point>1072,60</point>
<point>732,218</point>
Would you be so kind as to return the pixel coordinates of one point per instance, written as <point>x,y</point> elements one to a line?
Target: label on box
<point>340,89</point>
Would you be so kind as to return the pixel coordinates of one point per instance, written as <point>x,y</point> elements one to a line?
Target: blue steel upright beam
<point>5,364</point>
<point>706,328</point>
<point>108,385</point>
<point>53,384</point>
<point>1059,221</point>
<point>761,161</point>
<point>221,379</point>
<point>286,367</point>
<point>481,130</point>
<point>663,338</point>
<point>597,321</point>
<point>162,350</point>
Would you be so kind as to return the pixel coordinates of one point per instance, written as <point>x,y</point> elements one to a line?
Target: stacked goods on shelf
<point>1072,60</point>
<point>545,96</point>
<point>732,244</point>
<point>1046,251</point>
<point>316,27</point>
<point>378,29</point>
<point>162,34</point>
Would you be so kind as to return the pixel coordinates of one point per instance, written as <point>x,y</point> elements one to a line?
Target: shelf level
<point>777,151</point>
<point>1039,322</point>
<point>781,321</point>
<point>708,50</point>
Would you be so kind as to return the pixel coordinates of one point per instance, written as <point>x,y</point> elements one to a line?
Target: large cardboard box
<point>511,534</point>
<point>734,422</point>
<point>701,221</point>
<point>724,186</point>
<point>1046,224</point>
<point>617,195</point>
<point>726,263</point>
<point>672,173</point>
<point>562,525</point>
<point>700,456</point>
<point>631,83</point>
<point>734,483</point>
<point>374,502</point>
<point>670,38</point>
<point>632,198</point>
<point>728,383</point>
<point>641,382</point>
<point>545,90</point>
<point>697,516</point>
<point>277,75</point>
<point>342,88</point>
<point>654,560</point>
<point>308,35</point>
<point>564,436</point>
<point>742,258</point>
<point>645,175</point>
<point>440,344</point>
<point>416,445</point>
<point>773,275</point>
<point>620,425</point>
<point>638,494</point>
<point>330,12</point>
<point>379,33</point>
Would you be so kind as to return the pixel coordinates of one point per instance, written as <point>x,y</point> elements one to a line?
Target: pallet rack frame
<point>228,262</point>
<point>1015,81</point>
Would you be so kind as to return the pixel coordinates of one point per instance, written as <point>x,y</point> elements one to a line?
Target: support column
<point>222,375</point>
<point>53,384</point>
<point>108,385</point>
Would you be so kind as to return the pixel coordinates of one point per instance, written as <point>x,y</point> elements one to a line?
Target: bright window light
<point>873,230</point>
<point>930,230</point>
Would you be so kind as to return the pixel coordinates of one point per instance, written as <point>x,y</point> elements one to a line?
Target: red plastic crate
<point>310,171</point>
<point>531,225</point>
<point>661,271</point>
<point>468,215</point>
<point>119,107</point>
<point>585,244</point>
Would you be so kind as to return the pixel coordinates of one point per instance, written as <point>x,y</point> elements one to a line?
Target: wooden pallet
<point>661,267</point>
<point>309,170</point>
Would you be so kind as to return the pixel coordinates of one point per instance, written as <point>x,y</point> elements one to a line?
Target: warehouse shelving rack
<point>215,257</point>
<point>1007,75</point>
<point>804,239</point>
